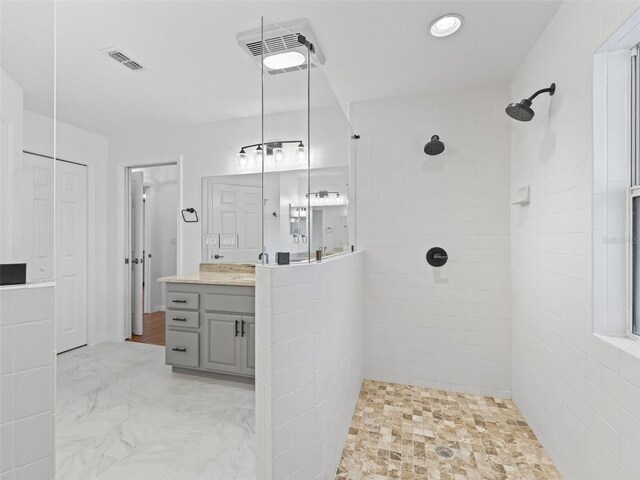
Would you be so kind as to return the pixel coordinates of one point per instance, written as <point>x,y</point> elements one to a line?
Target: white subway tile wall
<point>309,344</point>
<point>26,383</point>
<point>445,327</point>
<point>580,394</point>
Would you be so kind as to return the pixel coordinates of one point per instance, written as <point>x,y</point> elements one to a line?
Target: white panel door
<point>11,119</point>
<point>137,251</point>
<point>37,212</point>
<point>71,256</point>
<point>234,223</point>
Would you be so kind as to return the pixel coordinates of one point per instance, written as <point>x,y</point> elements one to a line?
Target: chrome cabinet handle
<point>179,349</point>
<point>178,319</point>
<point>179,301</point>
<point>242,329</point>
<point>237,328</point>
<point>135,260</point>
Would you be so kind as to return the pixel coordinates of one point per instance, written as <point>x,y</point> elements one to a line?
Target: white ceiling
<point>197,72</point>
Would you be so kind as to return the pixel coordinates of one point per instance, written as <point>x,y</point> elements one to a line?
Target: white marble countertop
<point>242,279</point>
<point>27,285</point>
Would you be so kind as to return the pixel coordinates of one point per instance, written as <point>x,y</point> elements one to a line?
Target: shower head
<point>434,147</point>
<point>522,110</point>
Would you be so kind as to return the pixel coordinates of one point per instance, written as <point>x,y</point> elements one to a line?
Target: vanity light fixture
<point>324,197</point>
<point>257,155</point>
<point>301,152</point>
<point>446,25</point>
<point>272,150</point>
<point>242,160</point>
<point>278,155</point>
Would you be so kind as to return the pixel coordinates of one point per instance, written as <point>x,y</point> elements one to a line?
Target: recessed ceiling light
<point>446,25</point>
<point>284,60</point>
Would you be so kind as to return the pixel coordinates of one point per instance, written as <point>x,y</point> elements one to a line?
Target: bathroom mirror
<point>298,222</point>
<point>232,222</point>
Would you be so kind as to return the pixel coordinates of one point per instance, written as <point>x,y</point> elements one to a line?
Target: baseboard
<point>160,308</point>
<point>217,375</point>
<point>102,339</point>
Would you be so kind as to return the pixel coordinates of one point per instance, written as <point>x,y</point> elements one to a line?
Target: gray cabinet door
<point>249,345</point>
<point>222,343</point>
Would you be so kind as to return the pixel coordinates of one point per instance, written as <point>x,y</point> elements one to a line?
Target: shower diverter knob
<point>437,257</point>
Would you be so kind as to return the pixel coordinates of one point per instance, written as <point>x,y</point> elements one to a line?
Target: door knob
<point>216,256</point>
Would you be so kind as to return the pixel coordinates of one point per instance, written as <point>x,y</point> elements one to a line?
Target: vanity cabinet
<point>211,328</point>
<point>231,340</point>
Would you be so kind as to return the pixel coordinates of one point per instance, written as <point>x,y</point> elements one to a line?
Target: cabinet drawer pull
<point>179,319</point>
<point>242,329</point>
<point>179,301</point>
<point>237,328</point>
<point>179,349</point>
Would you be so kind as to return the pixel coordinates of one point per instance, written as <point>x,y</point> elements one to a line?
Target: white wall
<point>26,382</point>
<point>210,150</point>
<point>309,360</point>
<point>206,150</point>
<point>445,327</point>
<point>579,393</point>
<point>80,146</point>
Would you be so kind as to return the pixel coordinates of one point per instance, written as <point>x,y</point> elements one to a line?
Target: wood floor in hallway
<point>153,329</point>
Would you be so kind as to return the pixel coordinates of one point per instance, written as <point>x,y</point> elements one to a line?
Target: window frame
<point>633,327</point>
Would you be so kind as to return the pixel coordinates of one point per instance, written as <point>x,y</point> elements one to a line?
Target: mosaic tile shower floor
<point>396,428</point>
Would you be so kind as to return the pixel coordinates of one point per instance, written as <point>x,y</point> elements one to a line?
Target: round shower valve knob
<point>437,257</point>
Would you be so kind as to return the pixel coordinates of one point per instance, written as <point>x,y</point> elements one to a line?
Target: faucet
<point>266,257</point>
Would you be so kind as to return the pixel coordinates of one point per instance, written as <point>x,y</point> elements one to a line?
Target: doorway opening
<point>152,238</point>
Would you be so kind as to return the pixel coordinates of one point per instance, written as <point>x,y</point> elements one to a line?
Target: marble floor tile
<point>84,464</point>
<point>396,428</point>
<point>245,466</point>
<point>219,448</point>
<point>153,457</point>
<point>122,414</point>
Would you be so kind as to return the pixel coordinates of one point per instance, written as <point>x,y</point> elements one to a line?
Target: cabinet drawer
<point>229,303</point>
<point>183,300</point>
<point>182,349</point>
<point>179,318</point>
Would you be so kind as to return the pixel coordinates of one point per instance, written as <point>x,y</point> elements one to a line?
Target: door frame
<point>124,234</point>
<point>146,267</point>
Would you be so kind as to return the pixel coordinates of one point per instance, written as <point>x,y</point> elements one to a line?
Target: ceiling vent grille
<point>279,40</point>
<point>123,59</point>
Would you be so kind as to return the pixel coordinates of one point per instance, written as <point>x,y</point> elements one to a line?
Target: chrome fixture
<point>522,111</point>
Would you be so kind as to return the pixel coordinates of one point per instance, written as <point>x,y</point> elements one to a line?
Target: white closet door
<point>71,255</point>
<point>11,119</point>
<point>37,213</point>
